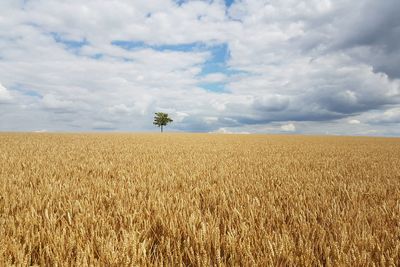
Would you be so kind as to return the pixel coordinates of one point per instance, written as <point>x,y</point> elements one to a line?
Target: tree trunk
<point>161,128</point>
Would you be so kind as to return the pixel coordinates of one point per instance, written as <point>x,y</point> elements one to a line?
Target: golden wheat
<point>198,200</point>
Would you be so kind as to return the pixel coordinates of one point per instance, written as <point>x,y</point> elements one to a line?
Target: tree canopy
<point>161,119</point>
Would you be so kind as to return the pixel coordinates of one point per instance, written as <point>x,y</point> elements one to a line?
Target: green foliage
<point>161,119</point>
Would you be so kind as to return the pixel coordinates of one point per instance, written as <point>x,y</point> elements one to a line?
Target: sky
<point>237,66</point>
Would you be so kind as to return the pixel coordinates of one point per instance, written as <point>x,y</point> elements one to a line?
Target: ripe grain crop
<point>198,200</point>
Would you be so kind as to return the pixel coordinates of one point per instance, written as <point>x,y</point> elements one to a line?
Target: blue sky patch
<point>213,87</point>
<point>129,45</point>
<point>32,93</point>
<point>197,46</point>
<point>97,56</point>
<point>133,45</point>
<point>217,62</point>
<point>70,45</point>
<point>25,91</point>
<point>228,3</point>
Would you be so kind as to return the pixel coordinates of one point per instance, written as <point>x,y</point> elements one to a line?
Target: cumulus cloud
<point>179,116</point>
<point>320,65</point>
<point>290,127</point>
<point>353,121</point>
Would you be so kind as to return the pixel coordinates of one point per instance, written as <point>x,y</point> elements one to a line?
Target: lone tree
<point>161,119</point>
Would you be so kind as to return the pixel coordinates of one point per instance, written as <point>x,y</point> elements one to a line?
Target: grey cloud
<point>348,102</point>
<point>369,30</point>
<point>390,116</point>
<point>272,103</point>
<point>377,27</point>
<point>194,124</point>
<point>316,115</point>
<point>373,23</point>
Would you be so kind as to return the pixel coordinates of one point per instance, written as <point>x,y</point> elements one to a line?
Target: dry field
<point>198,200</point>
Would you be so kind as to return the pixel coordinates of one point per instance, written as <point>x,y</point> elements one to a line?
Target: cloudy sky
<point>273,66</point>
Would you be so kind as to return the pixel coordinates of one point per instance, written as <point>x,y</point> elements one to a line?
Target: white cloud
<point>179,116</point>
<point>40,131</point>
<point>226,131</point>
<point>214,78</point>
<point>5,95</point>
<point>288,127</point>
<point>353,121</point>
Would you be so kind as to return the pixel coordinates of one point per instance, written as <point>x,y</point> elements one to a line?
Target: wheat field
<point>198,200</point>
